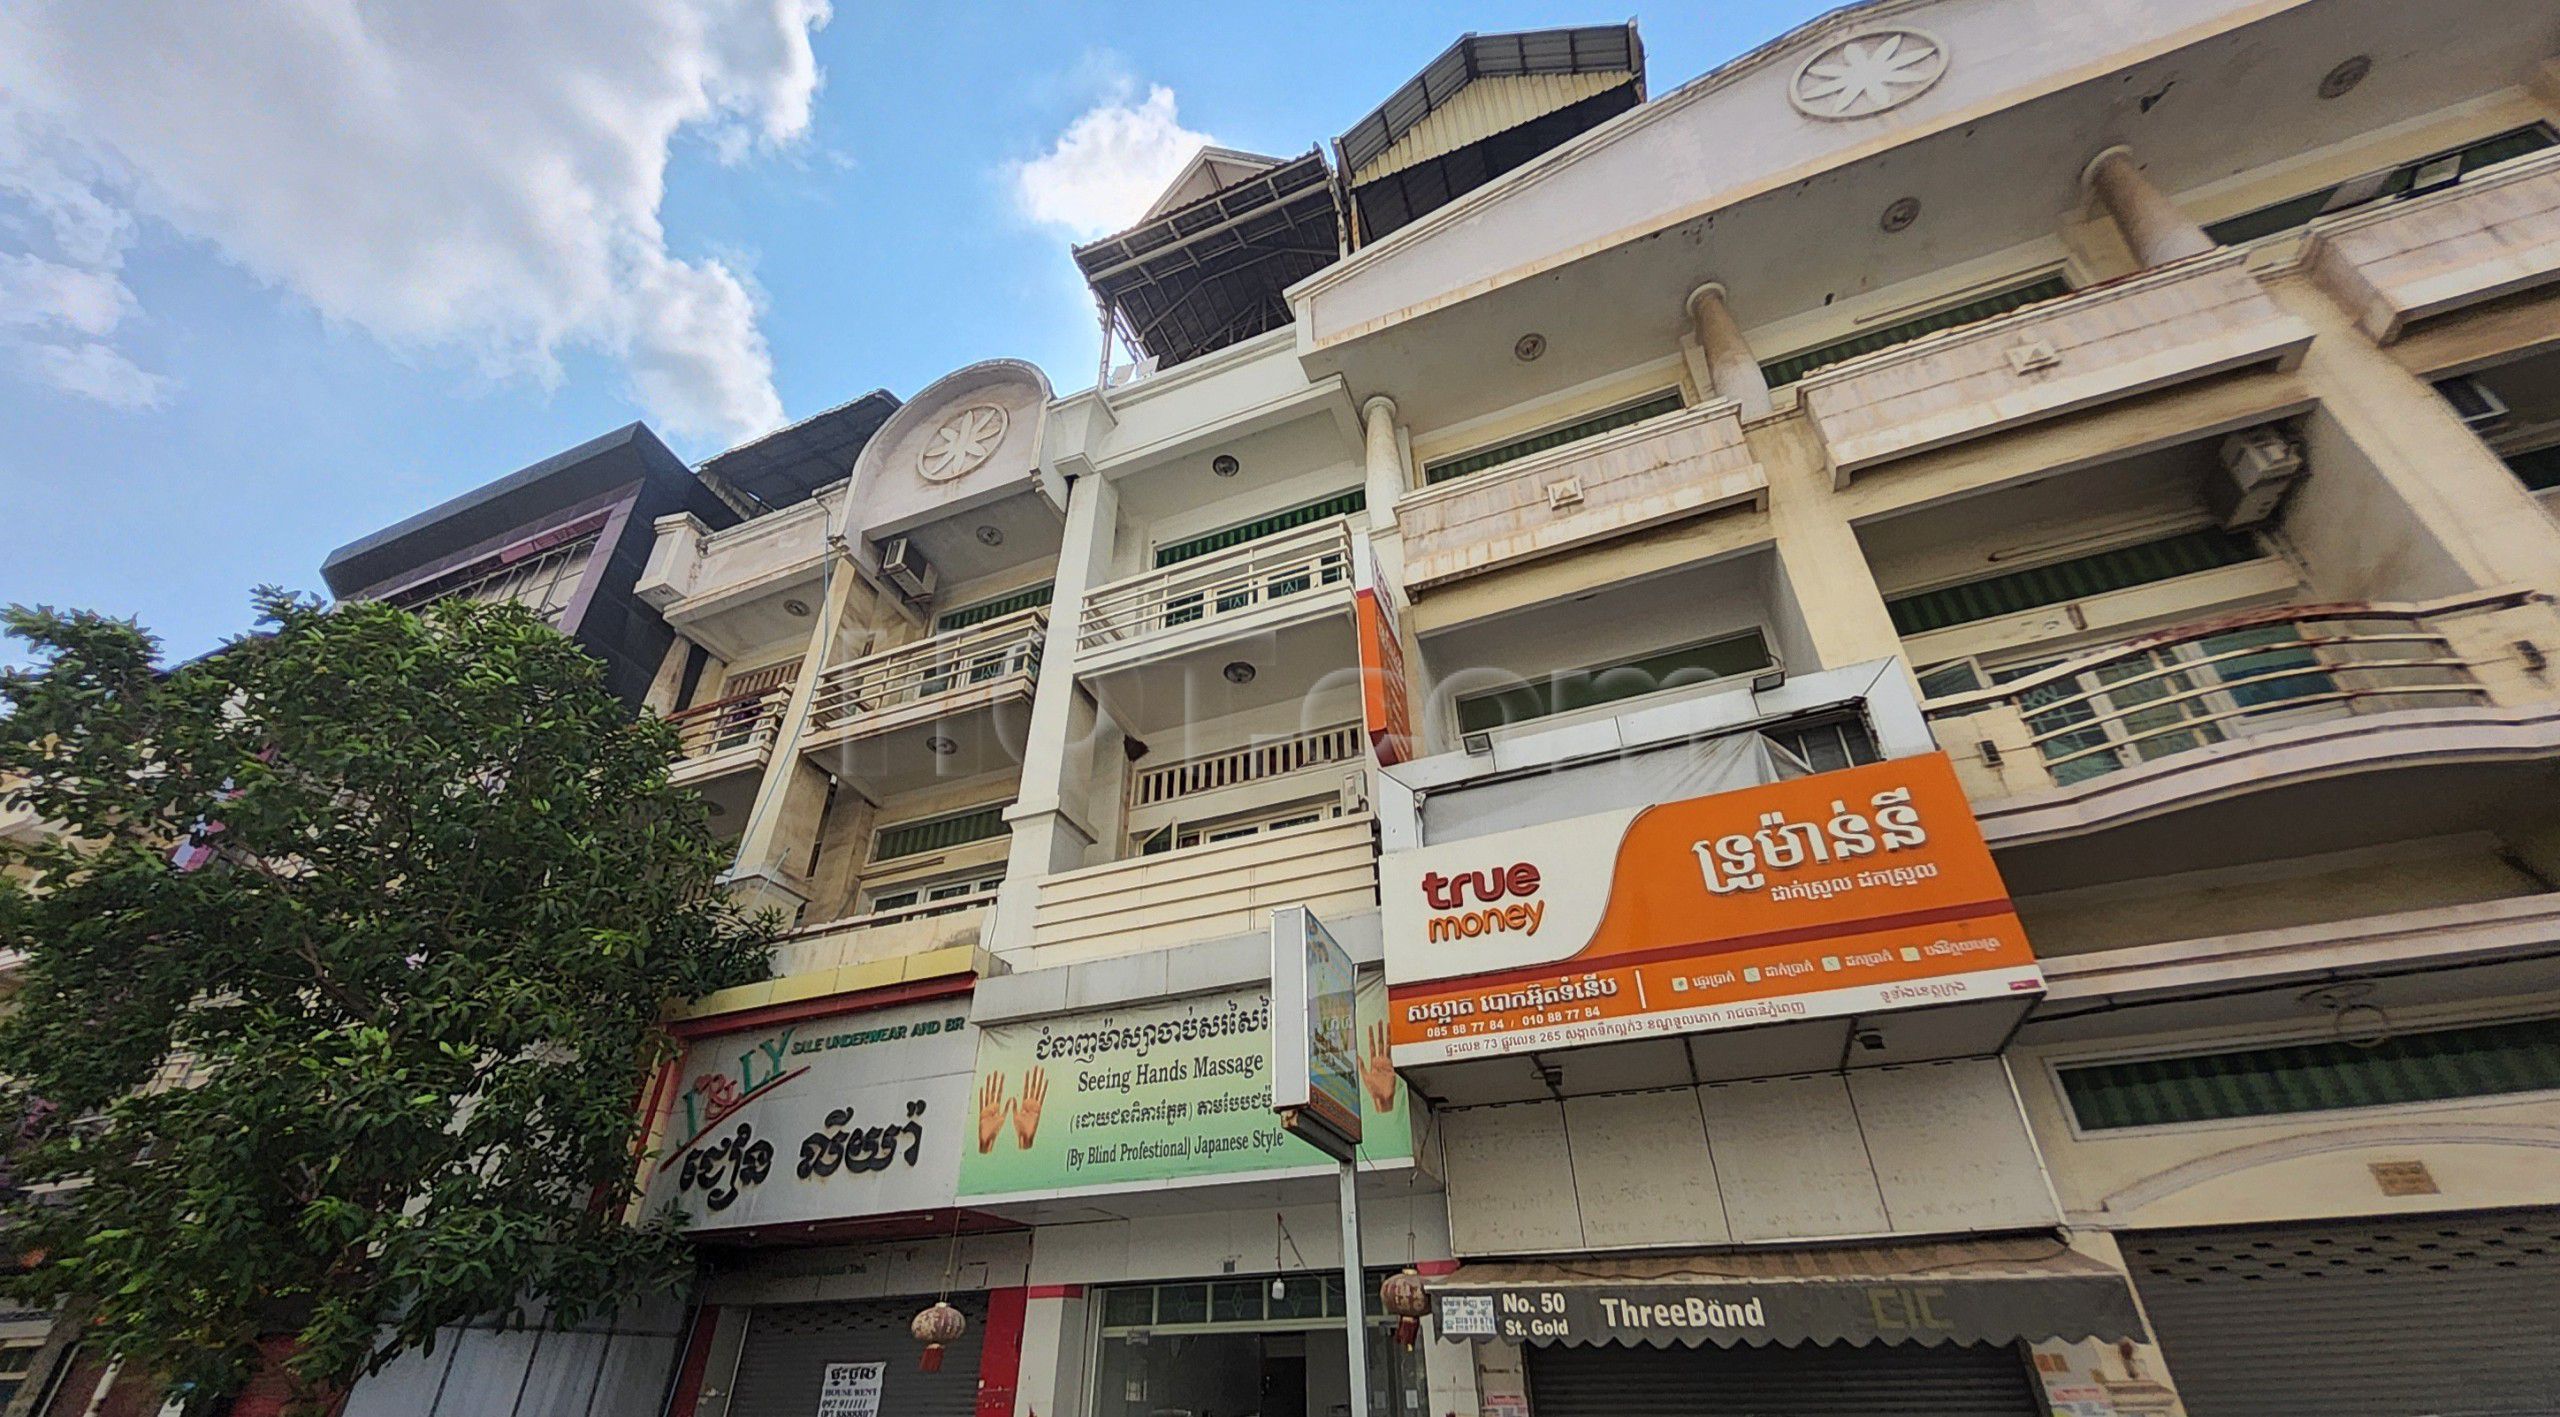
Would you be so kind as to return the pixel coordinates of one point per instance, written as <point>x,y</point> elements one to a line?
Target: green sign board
<point>1155,1094</point>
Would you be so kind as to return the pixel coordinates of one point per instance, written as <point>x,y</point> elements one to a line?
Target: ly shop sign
<point>1847,892</point>
<point>1156,1095</point>
<point>854,1115</point>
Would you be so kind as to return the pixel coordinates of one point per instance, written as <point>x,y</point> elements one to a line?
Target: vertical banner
<point>1315,1045</point>
<point>1386,694</point>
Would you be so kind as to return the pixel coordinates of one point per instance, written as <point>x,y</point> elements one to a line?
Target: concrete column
<point>2153,227</point>
<point>1730,363</point>
<point>2401,502</point>
<point>1046,836</point>
<point>1819,558</point>
<point>1051,1381</point>
<point>1383,460</point>
<point>782,823</point>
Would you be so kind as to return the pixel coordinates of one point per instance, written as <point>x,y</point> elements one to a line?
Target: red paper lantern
<point>935,1327</point>
<point>1402,1295</point>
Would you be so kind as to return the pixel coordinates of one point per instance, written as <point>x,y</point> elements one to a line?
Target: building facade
<point>1917,671</point>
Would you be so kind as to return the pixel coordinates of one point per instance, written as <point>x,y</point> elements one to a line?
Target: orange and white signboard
<point>1849,892</point>
<point>1386,693</point>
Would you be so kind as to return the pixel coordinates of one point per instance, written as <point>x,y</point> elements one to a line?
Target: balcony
<point>949,707</point>
<point>2395,262</point>
<point>728,590</point>
<point>1252,625</point>
<point>2180,323</point>
<point>1664,469</point>
<point>722,746</point>
<point>877,951</point>
<point>2337,722</point>
<point>1205,892</point>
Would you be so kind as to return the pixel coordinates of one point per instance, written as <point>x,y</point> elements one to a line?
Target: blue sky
<point>267,284</point>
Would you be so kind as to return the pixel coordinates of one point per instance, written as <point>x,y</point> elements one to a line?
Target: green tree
<point>342,983</point>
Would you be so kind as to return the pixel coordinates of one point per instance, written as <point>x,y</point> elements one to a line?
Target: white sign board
<point>851,1390</point>
<point>851,1115</point>
<point>1315,1024</point>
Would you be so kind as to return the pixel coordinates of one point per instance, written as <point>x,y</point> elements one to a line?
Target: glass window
<point>1573,689</point>
<point>2487,1060</point>
<point>1651,406</point>
<point>1235,1361</point>
<point>17,1360</point>
<point>2538,470</point>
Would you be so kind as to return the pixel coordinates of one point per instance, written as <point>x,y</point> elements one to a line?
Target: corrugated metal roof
<point>1482,109</point>
<point>1586,50</point>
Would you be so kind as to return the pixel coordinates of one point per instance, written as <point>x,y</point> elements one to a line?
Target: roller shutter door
<point>789,1346</point>
<point>1874,1380</point>
<point>2377,1317</point>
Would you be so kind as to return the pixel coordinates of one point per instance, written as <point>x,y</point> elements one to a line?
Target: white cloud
<point>1102,172</point>
<point>481,175</point>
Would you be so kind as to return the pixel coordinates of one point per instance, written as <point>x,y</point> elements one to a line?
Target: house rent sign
<point>1847,892</point>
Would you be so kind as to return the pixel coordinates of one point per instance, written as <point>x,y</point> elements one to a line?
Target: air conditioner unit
<point>2259,465</point>
<point>2480,409</point>
<point>906,568</point>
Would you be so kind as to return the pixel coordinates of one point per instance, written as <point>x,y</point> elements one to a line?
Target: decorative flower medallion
<point>1867,74</point>
<point>964,442</point>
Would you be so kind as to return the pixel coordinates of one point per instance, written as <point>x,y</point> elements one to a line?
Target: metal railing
<point>1230,582</point>
<point>2238,675</point>
<point>929,669</point>
<point>1238,766</point>
<point>738,721</point>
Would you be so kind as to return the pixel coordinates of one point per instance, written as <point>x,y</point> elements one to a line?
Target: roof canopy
<point>1488,104</point>
<point>1209,273</point>
<point>786,465</point>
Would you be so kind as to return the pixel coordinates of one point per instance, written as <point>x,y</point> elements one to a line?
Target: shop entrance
<point>1864,1380</point>
<point>1231,1348</point>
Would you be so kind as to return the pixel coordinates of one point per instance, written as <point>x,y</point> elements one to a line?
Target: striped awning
<point>1994,1289</point>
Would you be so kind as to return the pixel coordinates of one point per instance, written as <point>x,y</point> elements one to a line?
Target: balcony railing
<point>983,656</point>
<point>2190,688</point>
<point>2182,322</point>
<point>1206,892</point>
<point>740,723</point>
<point>1677,465</point>
<point>2496,233</point>
<point>1239,767</point>
<point>1226,585</point>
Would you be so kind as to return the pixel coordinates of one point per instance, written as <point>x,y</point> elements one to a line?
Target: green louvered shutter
<point>938,834</point>
<point>986,610</point>
<point>1341,505</point>
<point>2000,302</point>
<point>2489,1060</point>
<point>2015,592</point>
<point>1668,401</point>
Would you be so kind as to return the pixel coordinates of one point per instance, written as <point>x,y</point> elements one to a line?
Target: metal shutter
<point>1874,1380</point>
<point>2387,1315</point>
<point>789,1346</point>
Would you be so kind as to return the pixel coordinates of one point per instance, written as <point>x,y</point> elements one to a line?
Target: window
<point>1650,406</point>
<point>2486,1060</point>
<point>937,833</point>
<point>958,892</point>
<point>986,610</point>
<point>1829,745</point>
<point>2122,568</point>
<point>2409,179</point>
<point>1183,835</point>
<point>543,578</point>
<point>2538,470</point>
<point>1230,1346</point>
<point>1342,504</point>
<point>1572,689</point>
<point>17,1360</point>
<point>2000,302</point>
